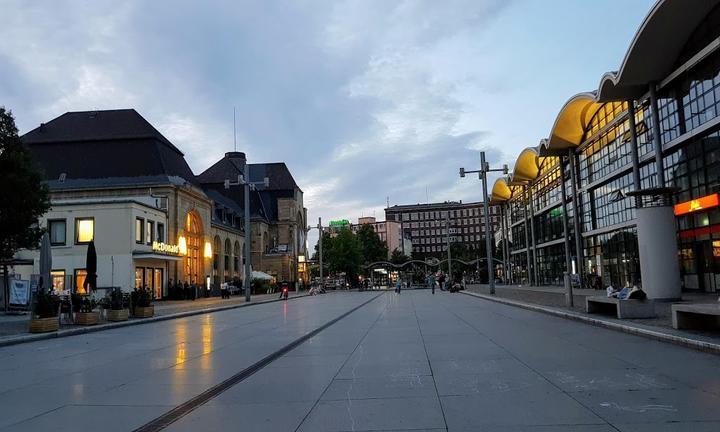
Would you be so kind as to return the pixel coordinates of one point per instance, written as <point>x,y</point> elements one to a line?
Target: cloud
<point>363,99</point>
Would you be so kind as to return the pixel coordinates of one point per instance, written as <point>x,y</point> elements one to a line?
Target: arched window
<point>228,250</point>
<point>236,258</point>
<point>193,258</point>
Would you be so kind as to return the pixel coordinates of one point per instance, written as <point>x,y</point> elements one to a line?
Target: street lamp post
<point>482,173</point>
<point>320,255</point>
<point>447,228</point>
<point>244,180</point>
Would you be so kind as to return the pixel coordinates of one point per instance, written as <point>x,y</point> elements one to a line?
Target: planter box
<point>87,318</point>
<point>117,315</point>
<point>144,312</point>
<point>44,325</point>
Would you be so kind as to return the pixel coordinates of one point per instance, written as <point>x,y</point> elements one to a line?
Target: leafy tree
<point>23,196</point>
<point>373,249</point>
<point>343,254</point>
<point>397,257</point>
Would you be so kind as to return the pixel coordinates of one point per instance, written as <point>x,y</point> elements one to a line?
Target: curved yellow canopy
<point>501,192</point>
<point>572,121</point>
<point>526,166</point>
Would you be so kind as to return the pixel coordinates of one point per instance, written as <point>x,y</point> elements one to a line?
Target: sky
<point>366,101</point>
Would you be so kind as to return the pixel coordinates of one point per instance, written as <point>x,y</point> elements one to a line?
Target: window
<point>58,280</point>
<point>149,229</point>
<point>84,230</point>
<point>160,232</point>
<point>139,230</point>
<point>80,275</point>
<point>57,229</point>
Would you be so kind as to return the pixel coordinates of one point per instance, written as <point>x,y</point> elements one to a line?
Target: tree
<point>343,254</point>
<point>397,257</point>
<point>373,249</point>
<point>23,196</point>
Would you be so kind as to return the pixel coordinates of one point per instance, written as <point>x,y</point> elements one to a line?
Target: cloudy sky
<point>365,100</point>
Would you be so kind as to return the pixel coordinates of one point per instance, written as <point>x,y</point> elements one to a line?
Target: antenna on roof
<point>387,199</point>
<point>234,131</point>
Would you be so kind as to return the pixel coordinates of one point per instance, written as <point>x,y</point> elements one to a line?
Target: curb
<point>26,338</point>
<point>707,347</point>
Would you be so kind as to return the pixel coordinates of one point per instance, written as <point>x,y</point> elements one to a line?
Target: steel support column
<point>527,236</point>
<point>576,215</point>
<point>532,234</point>
<point>657,144</point>
<point>566,233</point>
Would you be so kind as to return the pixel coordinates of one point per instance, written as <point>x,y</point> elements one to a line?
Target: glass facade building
<point>669,75</point>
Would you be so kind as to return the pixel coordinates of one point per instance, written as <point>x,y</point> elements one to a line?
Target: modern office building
<point>426,226</point>
<point>630,172</point>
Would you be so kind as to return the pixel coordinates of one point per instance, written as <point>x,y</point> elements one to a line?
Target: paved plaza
<point>408,362</point>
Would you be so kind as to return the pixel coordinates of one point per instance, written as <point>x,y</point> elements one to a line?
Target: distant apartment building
<point>426,225</point>
<point>388,231</point>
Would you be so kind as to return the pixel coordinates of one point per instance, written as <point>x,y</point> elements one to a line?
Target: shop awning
<point>156,256</point>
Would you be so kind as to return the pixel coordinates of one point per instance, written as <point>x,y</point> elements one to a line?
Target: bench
<point>696,316</point>
<point>628,308</point>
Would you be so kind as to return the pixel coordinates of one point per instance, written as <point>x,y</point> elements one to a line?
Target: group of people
<point>442,281</point>
<point>182,291</point>
<point>626,292</point>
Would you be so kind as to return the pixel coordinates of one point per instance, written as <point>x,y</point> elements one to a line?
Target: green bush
<point>83,304</point>
<point>46,304</point>
<point>141,297</point>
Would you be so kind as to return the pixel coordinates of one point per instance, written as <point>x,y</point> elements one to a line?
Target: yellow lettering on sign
<point>165,248</point>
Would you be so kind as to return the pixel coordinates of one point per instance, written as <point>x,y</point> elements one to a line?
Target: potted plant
<point>84,310</point>
<point>45,314</point>
<point>117,304</point>
<point>142,303</point>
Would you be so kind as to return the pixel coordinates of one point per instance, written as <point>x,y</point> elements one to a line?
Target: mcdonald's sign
<point>697,204</point>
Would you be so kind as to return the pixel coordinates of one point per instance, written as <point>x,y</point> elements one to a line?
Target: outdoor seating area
<point>621,308</point>
<point>696,316</point>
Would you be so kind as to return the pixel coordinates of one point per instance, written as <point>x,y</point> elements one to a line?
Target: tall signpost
<point>482,173</point>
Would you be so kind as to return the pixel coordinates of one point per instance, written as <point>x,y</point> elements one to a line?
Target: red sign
<point>697,204</point>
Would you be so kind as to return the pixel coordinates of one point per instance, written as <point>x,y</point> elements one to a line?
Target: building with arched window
<point>630,165</point>
<point>115,180</point>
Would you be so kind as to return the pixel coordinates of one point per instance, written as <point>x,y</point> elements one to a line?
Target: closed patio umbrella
<point>45,263</point>
<point>90,283</point>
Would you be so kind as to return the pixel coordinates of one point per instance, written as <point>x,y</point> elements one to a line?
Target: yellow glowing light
<point>208,250</point>
<point>182,245</point>
<point>301,258</point>
<point>85,230</point>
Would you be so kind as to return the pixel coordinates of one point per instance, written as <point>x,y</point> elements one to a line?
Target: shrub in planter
<point>141,301</point>
<point>45,312</point>
<point>84,310</point>
<point>117,304</point>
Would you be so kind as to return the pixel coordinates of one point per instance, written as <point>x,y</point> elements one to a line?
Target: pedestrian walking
<point>398,286</point>
<point>432,282</point>
<point>441,281</point>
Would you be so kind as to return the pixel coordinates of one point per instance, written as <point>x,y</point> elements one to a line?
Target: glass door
<point>158,283</point>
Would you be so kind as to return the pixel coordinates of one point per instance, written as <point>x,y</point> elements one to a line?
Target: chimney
<point>236,156</point>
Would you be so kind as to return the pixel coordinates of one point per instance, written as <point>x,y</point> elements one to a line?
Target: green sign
<point>556,212</point>
<point>341,222</point>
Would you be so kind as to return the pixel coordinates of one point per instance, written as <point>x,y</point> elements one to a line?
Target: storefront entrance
<point>152,278</point>
<point>700,264</point>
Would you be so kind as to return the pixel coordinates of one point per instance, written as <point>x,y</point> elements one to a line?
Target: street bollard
<point>568,290</point>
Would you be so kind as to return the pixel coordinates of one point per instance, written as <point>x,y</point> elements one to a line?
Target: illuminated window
<point>57,229</point>
<point>80,275</point>
<point>139,230</point>
<point>58,280</point>
<point>139,276</point>
<point>84,230</point>
<point>149,228</point>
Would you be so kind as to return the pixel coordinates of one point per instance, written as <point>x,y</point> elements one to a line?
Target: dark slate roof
<point>104,144</point>
<point>230,167</point>
<point>234,199</point>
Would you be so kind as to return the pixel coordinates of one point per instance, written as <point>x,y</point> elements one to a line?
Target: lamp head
<point>462,172</point>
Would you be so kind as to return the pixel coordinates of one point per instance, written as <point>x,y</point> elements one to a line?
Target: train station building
<point>624,189</point>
